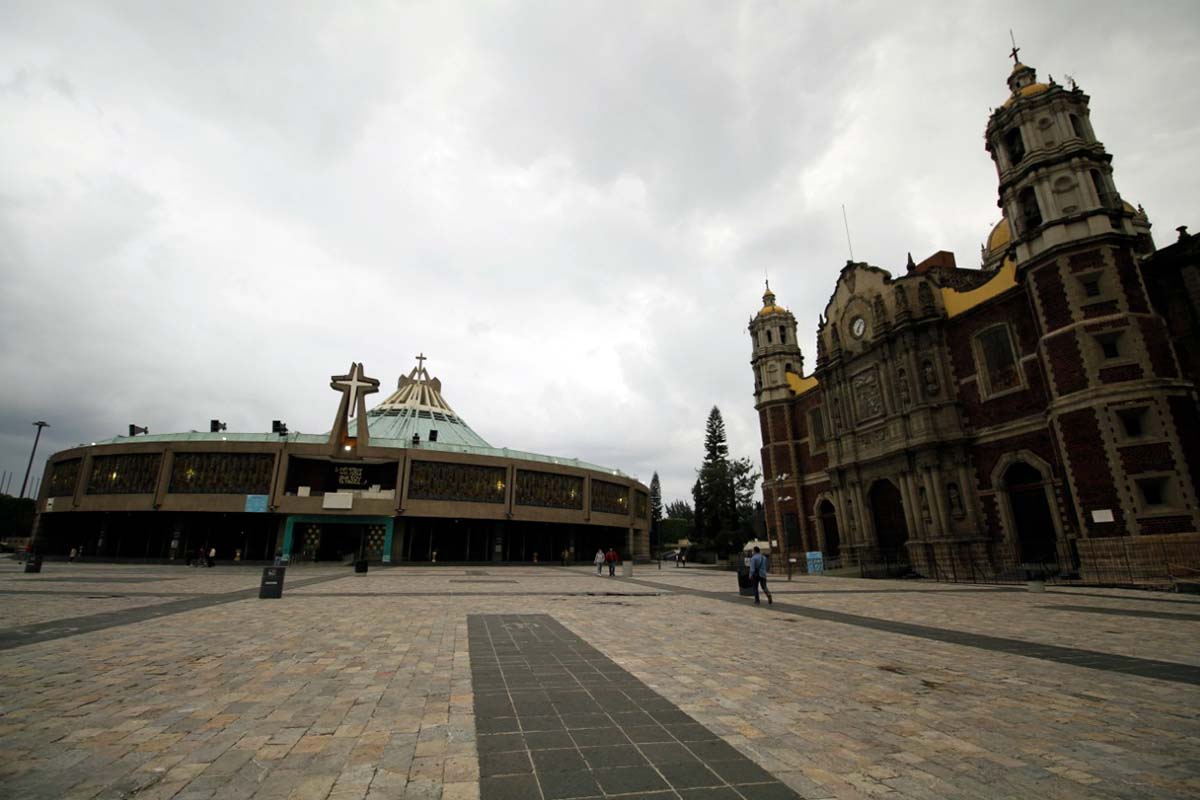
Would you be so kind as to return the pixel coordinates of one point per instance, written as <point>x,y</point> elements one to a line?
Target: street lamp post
<point>40,424</point>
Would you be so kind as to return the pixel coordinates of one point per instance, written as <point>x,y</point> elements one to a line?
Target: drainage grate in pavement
<point>556,718</point>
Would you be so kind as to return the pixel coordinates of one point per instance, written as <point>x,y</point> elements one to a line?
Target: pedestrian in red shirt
<point>611,559</point>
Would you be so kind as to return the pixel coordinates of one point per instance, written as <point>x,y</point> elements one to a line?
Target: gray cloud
<point>207,210</point>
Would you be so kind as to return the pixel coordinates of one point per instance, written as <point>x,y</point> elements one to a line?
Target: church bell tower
<point>1056,179</point>
<point>775,351</point>
<point>1117,400</point>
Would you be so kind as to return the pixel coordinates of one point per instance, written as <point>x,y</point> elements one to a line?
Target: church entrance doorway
<point>829,528</point>
<point>887,511</point>
<point>1034,525</point>
<point>327,538</point>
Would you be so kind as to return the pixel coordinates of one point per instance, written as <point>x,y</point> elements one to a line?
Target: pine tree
<point>656,511</point>
<point>716,447</point>
<point>716,483</point>
<point>680,509</point>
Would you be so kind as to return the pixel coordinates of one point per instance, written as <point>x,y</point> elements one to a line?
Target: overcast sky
<point>207,209</point>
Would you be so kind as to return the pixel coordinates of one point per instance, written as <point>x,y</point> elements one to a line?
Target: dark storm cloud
<point>206,209</point>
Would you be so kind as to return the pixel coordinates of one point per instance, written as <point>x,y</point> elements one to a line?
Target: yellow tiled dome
<point>1000,236</point>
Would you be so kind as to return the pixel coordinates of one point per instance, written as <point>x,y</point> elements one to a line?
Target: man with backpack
<point>758,574</point>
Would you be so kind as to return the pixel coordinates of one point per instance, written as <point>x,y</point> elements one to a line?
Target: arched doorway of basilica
<point>1031,516</point>
<point>829,528</point>
<point>887,510</point>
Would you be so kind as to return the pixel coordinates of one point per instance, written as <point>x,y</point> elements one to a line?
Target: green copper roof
<point>417,406</point>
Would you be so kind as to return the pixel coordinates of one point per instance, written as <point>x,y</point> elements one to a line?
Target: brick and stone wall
<point>1066,364</point>
<point>1095,487</point>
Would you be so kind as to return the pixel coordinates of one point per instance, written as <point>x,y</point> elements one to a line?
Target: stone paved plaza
<point>162,682</point>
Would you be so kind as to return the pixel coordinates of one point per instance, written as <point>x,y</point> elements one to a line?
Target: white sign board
<point>342,500</point>
<point>1102,515</point>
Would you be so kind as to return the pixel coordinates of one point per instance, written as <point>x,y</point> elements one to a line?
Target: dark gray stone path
<point>556,719</point>
<point>1109,662</point>
<point>73,626</point>
<point>1129,612</point>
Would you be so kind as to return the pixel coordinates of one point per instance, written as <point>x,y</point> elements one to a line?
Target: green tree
<point>716,447</point>
<point>745,483</point>
<point>656,512</point>
<point>724,490</point>
<point>680,509</point>
<point>716,482</point>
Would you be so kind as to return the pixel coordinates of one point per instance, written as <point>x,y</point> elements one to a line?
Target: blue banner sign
<point>816,562</point>
<point>256,504</point>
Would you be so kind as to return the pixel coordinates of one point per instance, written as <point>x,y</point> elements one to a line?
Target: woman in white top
<point>599,560</point>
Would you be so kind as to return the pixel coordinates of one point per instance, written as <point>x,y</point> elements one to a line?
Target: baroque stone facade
<point>986,419</point>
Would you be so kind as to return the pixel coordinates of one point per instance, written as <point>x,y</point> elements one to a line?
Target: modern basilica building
<point>1040,409</point>
<point>405,481</point>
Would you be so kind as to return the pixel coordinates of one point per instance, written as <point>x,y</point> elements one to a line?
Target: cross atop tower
<point>421,359</point>
<point>354,384</point>
<point>1015,49</point>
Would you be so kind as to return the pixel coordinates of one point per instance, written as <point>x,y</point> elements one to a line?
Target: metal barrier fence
<point>1123,561</point>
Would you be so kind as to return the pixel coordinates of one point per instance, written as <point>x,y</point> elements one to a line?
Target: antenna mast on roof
<point>845,222</point>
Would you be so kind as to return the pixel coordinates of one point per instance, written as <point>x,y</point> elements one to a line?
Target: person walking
<point>565,554</point>
<point>758,574</point>
<point>212,557</point>
<point>599,560</point>
<point>611,558</point>
<point>71,557</point>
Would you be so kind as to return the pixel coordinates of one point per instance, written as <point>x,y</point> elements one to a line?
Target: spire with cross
<point>1015,49</point>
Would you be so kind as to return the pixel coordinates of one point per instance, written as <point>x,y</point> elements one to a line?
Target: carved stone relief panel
<point>929,378</point>
<point>925,297</point>
<point>902,387</point>
<point>868,400</point>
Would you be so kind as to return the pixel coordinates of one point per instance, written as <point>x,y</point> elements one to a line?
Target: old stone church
<point>1040,409</point>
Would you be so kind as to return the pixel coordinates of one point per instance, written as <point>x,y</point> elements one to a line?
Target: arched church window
<point>1031,212</point>
<point>1077,127</point>
<point>768,336</point>
<point>999,360</point>
<point>1015,145</point>
<point>783,334</point>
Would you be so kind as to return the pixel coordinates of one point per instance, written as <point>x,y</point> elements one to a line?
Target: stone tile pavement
<point>360,686</point>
